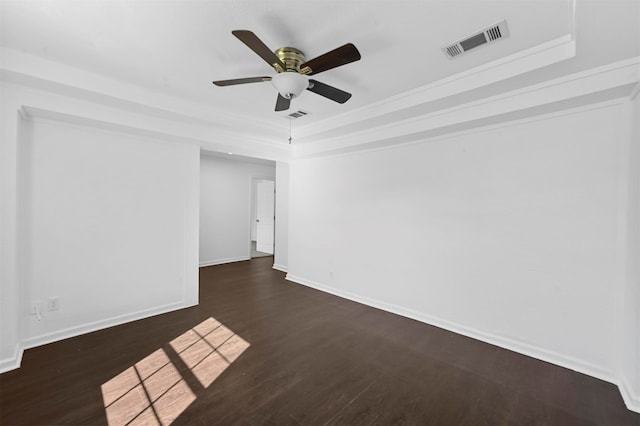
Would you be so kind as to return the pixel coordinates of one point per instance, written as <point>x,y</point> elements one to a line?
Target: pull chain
<point>290,138</point>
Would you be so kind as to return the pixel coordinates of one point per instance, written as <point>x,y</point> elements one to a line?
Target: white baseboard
<point>280,267</point>
<point>552,357</point>
<point>631,400</point>
<point>222,261</point>
<point>91,327</point>
<point>13,362</point>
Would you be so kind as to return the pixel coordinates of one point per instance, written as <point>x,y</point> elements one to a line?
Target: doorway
<point>263,217</point>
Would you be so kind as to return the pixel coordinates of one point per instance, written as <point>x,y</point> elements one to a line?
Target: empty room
<point>218,212</point>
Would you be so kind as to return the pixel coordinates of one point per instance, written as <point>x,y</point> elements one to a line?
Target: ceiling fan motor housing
<point>292,58</point>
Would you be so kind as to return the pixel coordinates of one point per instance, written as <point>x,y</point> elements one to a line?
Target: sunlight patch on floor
<point>155,392</point>
<point>208,349</point>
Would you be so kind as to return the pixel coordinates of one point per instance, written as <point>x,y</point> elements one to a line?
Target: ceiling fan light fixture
<point>292,69</point>
<point>290,84</point>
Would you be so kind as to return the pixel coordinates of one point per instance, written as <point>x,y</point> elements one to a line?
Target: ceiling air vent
<point>488,35</point>
<point>297,114</point>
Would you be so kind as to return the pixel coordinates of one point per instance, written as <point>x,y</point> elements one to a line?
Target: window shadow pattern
<point>153,391</point>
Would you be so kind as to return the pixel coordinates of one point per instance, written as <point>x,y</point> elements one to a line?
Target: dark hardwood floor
<point>261,350</point>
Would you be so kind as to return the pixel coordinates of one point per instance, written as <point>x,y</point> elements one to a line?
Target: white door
<point>265,211</point>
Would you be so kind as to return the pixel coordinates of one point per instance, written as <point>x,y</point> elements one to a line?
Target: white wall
<point>94,118</point>
<point>509,234</point>
<point>10,349</point>
<point>631,295</point>
<point>225,208</point>
<point>99,112</point>
<point>281,253</point>
<point>107,223</point>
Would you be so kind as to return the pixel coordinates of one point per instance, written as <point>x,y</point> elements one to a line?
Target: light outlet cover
<point>53,304</point>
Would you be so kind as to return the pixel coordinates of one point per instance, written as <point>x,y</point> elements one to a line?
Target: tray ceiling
<point>176,48</point>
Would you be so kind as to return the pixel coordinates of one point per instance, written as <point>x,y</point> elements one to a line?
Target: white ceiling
<point>178,47</point>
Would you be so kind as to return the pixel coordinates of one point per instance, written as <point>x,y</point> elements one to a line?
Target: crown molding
<point>601,84</point>
<point>634,92</point>
<point>38,73</point>
<point>224,142</point>
<point>554,51</point>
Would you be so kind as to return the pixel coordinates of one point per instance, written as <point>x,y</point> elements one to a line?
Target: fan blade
<point>329,92</point>
<point>254,43</point>
<point>241,81</point>
<point>341,56</point>
<point>282,104</point>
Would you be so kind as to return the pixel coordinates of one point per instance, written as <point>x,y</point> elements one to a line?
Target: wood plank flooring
<point>261,350</point>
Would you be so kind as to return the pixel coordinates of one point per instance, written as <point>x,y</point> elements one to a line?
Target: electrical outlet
<point>53,304</point>
<point>36,307</point>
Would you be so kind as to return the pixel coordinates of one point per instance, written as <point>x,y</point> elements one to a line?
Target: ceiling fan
<point>292,70</point>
